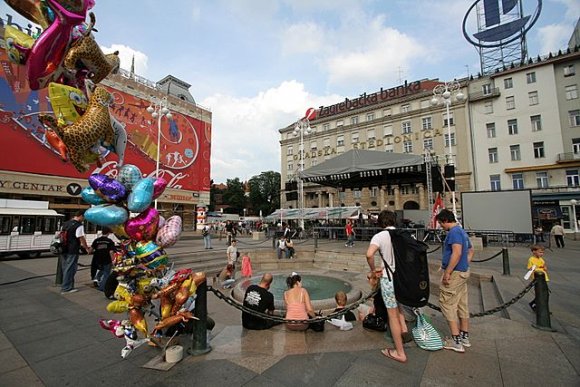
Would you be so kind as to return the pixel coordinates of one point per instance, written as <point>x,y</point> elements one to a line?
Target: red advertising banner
<point>185,141</point>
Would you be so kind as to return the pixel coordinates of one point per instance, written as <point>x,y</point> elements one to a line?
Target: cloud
<point>126,54</point>
<point>553,37</point>
<point>302,38</point>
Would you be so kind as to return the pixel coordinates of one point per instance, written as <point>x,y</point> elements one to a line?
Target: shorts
<point>453,298</point>
<point>388,293</point>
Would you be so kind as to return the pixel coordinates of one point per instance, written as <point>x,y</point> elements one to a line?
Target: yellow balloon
<point>118,306</point>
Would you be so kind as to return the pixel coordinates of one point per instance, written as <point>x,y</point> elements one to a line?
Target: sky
<point>258,65</point>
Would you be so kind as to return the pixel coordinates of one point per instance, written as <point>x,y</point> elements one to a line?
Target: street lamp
<point>444,93</point>
<point>158,109</point>
<point>301,128</point>
<point>573,202</point>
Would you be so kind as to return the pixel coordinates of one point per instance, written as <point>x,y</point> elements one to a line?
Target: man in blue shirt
<point>457,254</point>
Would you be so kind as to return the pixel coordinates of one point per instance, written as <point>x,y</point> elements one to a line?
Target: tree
<point>265,192</point>
<point>234,196</point>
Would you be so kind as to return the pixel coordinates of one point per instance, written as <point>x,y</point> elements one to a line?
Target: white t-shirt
<point>80,231</point>
<point>383,241</point>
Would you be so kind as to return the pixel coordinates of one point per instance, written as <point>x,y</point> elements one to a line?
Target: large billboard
<point>185,141</point>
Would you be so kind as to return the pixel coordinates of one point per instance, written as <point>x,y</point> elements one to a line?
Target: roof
<point>28,211</point>
<point>363,168</point>
<point>313,213</point>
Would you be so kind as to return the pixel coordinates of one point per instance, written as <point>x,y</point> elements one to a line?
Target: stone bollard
<point>542,303</point>
<point>506,261</point>
<point>58,276</point>
<point>199,344</point>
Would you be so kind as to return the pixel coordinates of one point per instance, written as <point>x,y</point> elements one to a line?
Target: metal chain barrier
<point>265,316</point>
<point>488,259</point>
<point>496,309</point>
<point>434,250</point>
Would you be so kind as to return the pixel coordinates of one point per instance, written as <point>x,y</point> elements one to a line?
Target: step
<point>491,298</point>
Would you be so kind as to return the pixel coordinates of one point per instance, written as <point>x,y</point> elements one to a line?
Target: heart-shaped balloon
<point>169,234</point>
<point>90,196</point>
<point>106,215</point>
<point>161,221</point>
<point>141,196</point>
<point>158,187</point>
<point>111,189</point>
<point>143,227</point>
<point>129,175</point>
<point>119,231</point>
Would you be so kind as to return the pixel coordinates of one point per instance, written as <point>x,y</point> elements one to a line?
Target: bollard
<point>542,303</point>
<point>274,240</point>
<point>199,344</point>
<point>315,241</point>
<point>58,276</point>
<point>506,261</point>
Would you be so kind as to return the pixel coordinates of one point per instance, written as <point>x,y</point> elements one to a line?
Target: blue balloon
<point>141,196</point>
<point>90,196</point>
<point>106,215</point>
<point>129,175</point>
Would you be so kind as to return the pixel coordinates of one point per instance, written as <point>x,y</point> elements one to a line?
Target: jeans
<point>103,275</point>
<point>280,252</point>
<point>207,241</point>
<point>350,240</point>
<point>69,269</point>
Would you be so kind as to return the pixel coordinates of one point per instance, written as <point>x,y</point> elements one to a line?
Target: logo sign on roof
<point>500,21</point>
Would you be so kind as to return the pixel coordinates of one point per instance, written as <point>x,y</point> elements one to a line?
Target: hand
<point>446,279</point>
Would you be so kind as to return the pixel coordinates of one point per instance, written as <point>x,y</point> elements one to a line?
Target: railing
<point>568,156</point>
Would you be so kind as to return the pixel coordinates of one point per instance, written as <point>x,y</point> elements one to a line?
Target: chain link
<point>488,259</point>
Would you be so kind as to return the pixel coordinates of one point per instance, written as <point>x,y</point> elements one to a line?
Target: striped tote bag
<point>425,335</point>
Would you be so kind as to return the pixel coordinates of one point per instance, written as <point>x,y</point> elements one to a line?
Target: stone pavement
<point>47,339</point>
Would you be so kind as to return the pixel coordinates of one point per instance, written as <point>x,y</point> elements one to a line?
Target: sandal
<point>389,353</point>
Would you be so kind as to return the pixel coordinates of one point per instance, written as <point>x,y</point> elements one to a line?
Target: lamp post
<point>158,109</point>
<point>573,202</point>
<point>302,127</point>
<point>444,94</point>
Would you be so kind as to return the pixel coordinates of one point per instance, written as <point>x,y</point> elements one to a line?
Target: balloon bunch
<point>66,58</point>
<point>141,264</point>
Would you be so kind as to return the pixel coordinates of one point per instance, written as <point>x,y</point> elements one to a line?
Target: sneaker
<point>73,290</point>
<point>465,341</point>
<point>453,345</point>
<point>95,283</point>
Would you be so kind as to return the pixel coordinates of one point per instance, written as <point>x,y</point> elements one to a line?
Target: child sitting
<point>537,260</point>
<point>226,277</point>
<point>340,298</point>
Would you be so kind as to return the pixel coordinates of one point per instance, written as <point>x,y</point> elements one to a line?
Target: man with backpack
<point>381,242</point>
<point>457,254</point>
<point>72,236</point>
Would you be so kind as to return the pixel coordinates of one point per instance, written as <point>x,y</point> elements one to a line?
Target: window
<point>374,192</point>
<point>539,150</point>
<point>572,178</point>
<point>542,179</point>
<point>313,145</point>
<point>428,143</point>
<point>571,92</point>
<point>354,120</point>
<point>533,98</point>
<point>508,83</point>
<point>512,127</point>
<point>387,113</point>
<point>290,166</point>
<point>339,123</point>
<point>488,107</point>
<point>327,142</point>
<point>450,119</point>
<point>576,146</point>
<point>370,116</point>
<point>494,182</point>
<point>510,102</point>
<point>490,127</point>
<point>486,89</point>
<point>518,181</point>
<point>406,127</point>
<point>356,193</point>
<point>447,140</point>
<point>389,148</point>
<point>569,70</point>
<point>289,151</point>
<point>354,138</point>
<point>515,152</point>
<point>531,77</point>
<point>536,123</point>
<point>387,130</point>
<point>405,108</point>
<point>326,127</point>
<point>574,117</point>
<point>407,147</point>
<point>289,135</point>
<point>426,123</point>
<point>370,134</point>
<point>340,141</point>
<point>492,153</point>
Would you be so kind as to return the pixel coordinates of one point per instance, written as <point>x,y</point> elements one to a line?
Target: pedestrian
<point>290,252</point>
<point>539,233</point>
<point>246,266</point>
<point>453,297</point>
<point>259,298</point>
<point>281,247</point>
<point>349,234</point>
<point>206,234</point>
<point>536,261</point>
<point>230,231</point>
<point>381,243</point>
<point>74,240</point>
<point>103,249</point>
<point>558,233</point>
<point>232,253</point>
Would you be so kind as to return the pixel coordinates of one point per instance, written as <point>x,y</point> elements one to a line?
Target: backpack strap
<point>390,272</point>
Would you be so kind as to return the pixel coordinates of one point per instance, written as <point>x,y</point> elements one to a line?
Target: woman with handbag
<point>297,302</point>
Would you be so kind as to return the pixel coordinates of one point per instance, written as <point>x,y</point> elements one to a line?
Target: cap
<point>293,274</point>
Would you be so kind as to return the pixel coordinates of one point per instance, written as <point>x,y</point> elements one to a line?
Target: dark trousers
<point>559,240</point>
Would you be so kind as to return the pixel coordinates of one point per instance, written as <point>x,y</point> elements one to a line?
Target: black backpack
<point>64,242</point>
<point>411,276</point>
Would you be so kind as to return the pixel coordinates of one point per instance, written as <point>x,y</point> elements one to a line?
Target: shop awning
<point>28,212</point>
<point>313,213</point>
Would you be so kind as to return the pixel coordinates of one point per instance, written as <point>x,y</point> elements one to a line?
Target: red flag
<point>437,206</point>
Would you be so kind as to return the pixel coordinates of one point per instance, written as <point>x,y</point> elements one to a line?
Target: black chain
<point>496,309</point>
<point>265,316</point>
<point>490,258</point>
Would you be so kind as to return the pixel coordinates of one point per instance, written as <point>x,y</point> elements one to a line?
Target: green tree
<point>234,196</point>
<point>265,192</point>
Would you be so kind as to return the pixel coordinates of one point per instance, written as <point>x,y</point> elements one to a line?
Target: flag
<point>437,206</point>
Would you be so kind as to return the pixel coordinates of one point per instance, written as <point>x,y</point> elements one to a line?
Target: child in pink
<point>246,266</point>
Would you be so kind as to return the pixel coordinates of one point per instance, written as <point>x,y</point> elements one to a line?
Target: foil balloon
<point>69,102</point>
<point>161,221</point>
<point>169,234</point>
<point>120,140</point>
<point>143,226</point>
<point>110,188</point>
<point>158,187</point>
<point>141,196</point>
<point>119,231</point>
<point>106,215</point>
<point>56,143</point>
<point>18,44</point>
<point>90,196</point>
<point>33,10</point>
<point>150,255</point>
<point>129,175</point>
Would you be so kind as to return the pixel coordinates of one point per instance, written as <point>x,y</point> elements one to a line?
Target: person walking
<point>206,234</point>
<point>349,234</point>
<point>453,296</point>
<point>103,249</point>
<point>232,253</point>
<point>74,239</point>
<point>558,233</point>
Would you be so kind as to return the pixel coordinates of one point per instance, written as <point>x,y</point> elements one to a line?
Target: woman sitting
<point>297,301</point>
